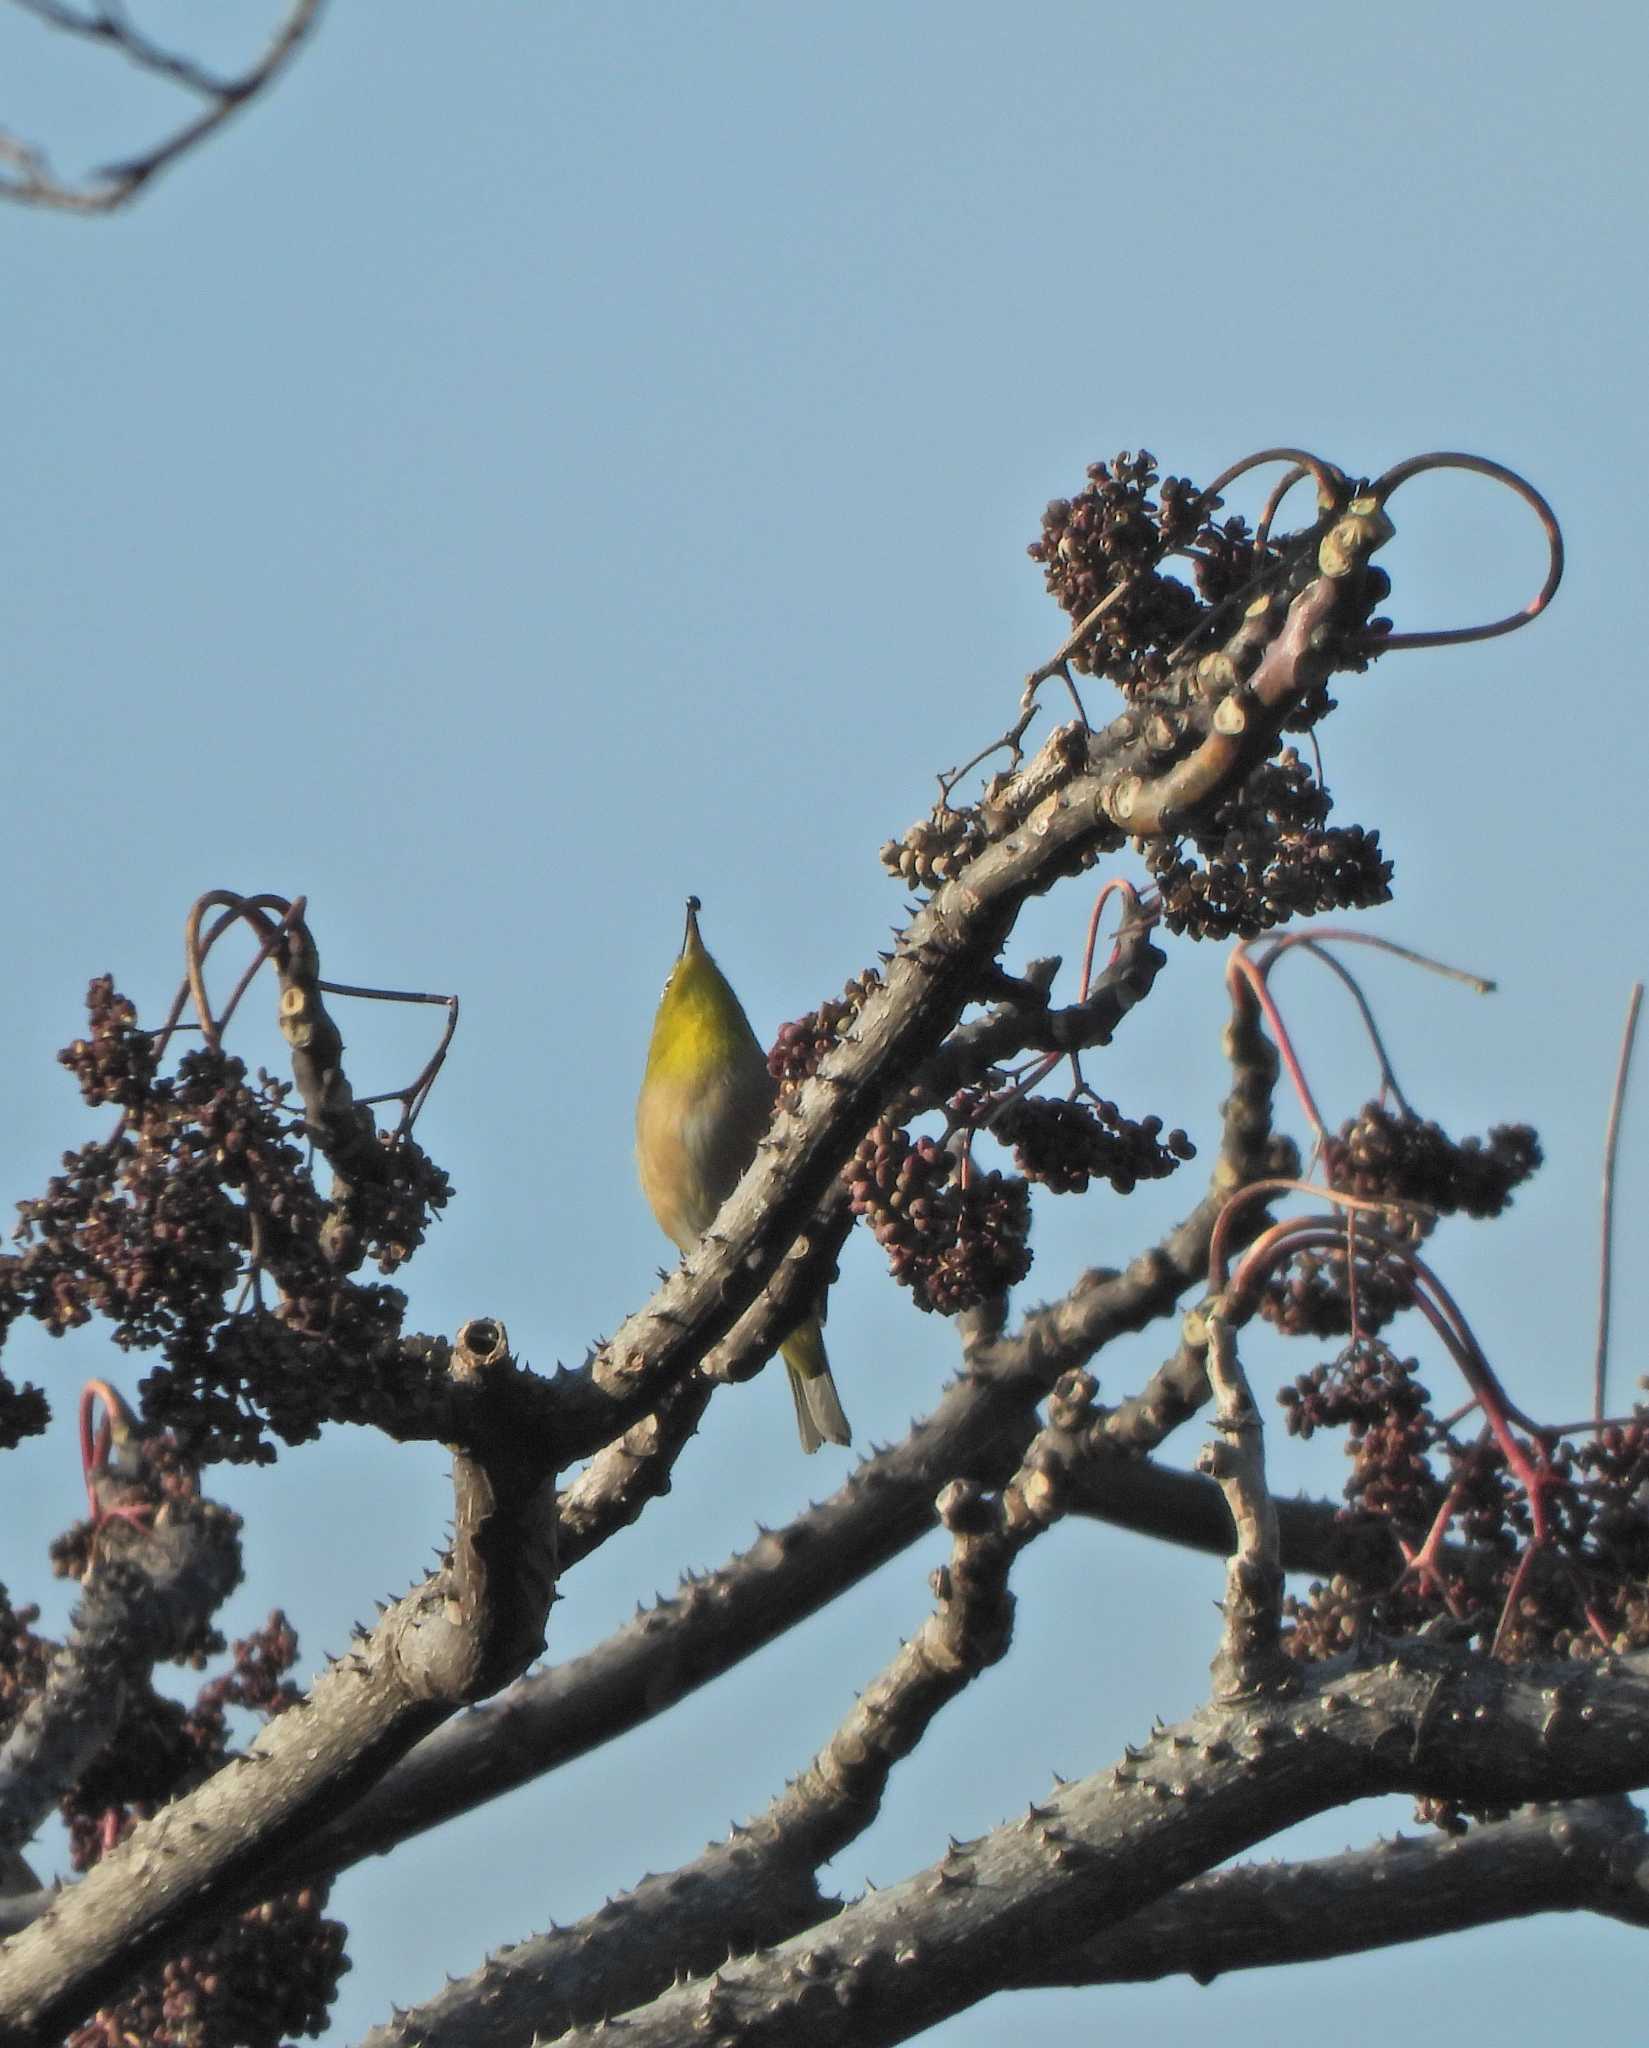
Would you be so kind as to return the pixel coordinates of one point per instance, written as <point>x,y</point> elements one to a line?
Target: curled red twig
<point>1381,491</point>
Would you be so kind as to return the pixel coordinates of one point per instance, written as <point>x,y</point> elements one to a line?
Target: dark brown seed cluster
<point>1616,1462</point>
<point>24,1410</point>
<point>1268,852</point>
<point>142,1228</point>
<point>952,1244</point>
<point>1318,1295</point>
<point>1267,855</point>
<point>256,1981</point>
<point>1065,1144</point>
<point>1383,1155</point>
<point>1335,1616</point>
<point>202,1185</point>
<point>803,1043</point>
<point>117,1062</point>
<point>936,847</point>
<point>25,1659</point>
<point>1378,1399</point>
<point>1224,557</point>
<point>258,1978</point>
<point>1580,1594</point>
<point>1580,1597</point>
<point>1114,533</point>
<point>387,1215</point>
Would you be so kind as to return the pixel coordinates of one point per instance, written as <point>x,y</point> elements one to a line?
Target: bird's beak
<point>690,940</point>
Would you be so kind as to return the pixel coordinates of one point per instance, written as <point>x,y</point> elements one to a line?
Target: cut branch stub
<point>503,1564</point>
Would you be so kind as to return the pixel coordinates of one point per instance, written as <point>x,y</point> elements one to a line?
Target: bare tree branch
<point>34,183</point>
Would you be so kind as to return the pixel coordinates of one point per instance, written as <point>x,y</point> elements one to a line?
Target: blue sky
<point>548,459</point>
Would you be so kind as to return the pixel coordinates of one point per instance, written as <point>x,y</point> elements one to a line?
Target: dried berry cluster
<point>1323,1294</point>
<point>1379,1401</point>
<point>1297,875</point>
<point>257,1978</point>
<point>251,1982</point>
<point>1114,533</point>
<point>952,1243</point>
<point>24,1659</point>
<point>145,1229</point>
<point>1384,1156</point>
<point>24,1412</point>
<point>1334,1616</point>
<point>1617,1459</point>
<point>200,1188</point>
<point>1224,557</point>
<point>386,1213</point>
<point>1578,1592</point>
<point>117,1063</point>
<point>803,1043</point>
<point>936,847</point>
<point>1267,854</point>
<point>1381,1155</point>
<point>263,1975</point>
<point>1066,1144</point>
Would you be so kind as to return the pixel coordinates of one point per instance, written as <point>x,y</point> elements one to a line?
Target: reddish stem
<point>1117,886</point>
<point>1243,966</point>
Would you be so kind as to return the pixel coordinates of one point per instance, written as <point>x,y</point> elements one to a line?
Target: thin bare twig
<point>1611,1143</point>
<point>111,26</point>
<point>1315,935</point>
<point>110,187</point>
<point>1354,988</point>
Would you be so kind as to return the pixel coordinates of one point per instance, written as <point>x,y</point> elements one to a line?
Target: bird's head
<point>700,1022</point>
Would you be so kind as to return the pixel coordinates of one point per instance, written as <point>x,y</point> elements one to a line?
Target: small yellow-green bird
<point>705,1100</point>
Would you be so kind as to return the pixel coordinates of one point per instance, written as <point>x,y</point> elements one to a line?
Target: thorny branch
<point>772,1864</point>
<point>1095,1852</point>
<point>982,1427</point>
<point>1587,1855</point>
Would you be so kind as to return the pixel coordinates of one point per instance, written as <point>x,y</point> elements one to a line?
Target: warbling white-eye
<point>706,1098</point>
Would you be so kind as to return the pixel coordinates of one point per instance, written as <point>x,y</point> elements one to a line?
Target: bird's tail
<point>819,1417</point>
